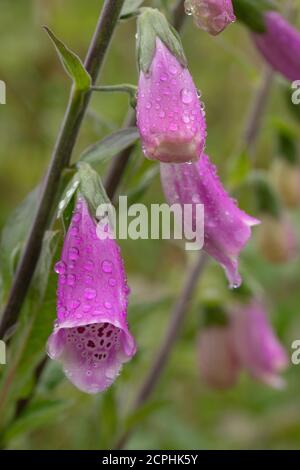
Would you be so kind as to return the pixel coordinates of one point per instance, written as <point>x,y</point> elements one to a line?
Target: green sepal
<point>91,187</point>
<point>150,25</point>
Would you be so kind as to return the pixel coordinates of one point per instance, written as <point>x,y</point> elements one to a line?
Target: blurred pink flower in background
<point>213,16</point>
<point>91,337</point>
<point>277,239</point>
<point>280,45</point>
<point>218,363</point>
<point>170,116</point>
<point>257,348</point>
<point>227,229</point>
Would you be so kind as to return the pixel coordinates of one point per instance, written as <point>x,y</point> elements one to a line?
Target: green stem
<point>131,90</point>
<point>61,156</point>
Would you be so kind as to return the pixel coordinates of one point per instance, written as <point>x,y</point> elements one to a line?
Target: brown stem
<point>174,327</point>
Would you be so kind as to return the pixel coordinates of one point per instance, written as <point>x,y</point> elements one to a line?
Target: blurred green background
<point>182,413</point>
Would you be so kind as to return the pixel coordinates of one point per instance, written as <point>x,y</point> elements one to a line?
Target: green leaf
<point>37,414</point>
<point>239,169</point>
<point>15,233</point>
<point>71,62</point>
<point>110,146</point>
<point>130,7</point>
<point>251,12</point>
<point>28,344</point>
<point>141,188</point>
<point>91,187</point>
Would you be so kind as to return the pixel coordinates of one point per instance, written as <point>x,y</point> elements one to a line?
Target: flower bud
<point>213,16</point>
<point>279,44</point>
<point>170,117</point>
<point>256,345</point>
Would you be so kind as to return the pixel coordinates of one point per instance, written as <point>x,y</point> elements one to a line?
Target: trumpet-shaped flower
<point>226,228</point>
<point>91,337</point>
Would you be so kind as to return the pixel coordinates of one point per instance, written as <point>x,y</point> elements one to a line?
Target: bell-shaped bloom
<point>280,45</point>
<point>277,239</point>
<point>286,178</point>
<point>218,364</point>
<point>213,16</point>
<point>226,228</point>
<point>91,337</point>
<point>170,117</point>
<point>257,346</point>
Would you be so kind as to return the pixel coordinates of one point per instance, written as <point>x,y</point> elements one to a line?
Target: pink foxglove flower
<point>226,228</point>
<point>218,363</point>
<point>280,45</point>
<point>213,16</point>
<point>256,345</point>
<point>91,337</point>
<point>170,117</point>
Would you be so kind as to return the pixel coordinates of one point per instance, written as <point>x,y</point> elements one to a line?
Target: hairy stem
<point>177,317</point>
<point>77,106</point>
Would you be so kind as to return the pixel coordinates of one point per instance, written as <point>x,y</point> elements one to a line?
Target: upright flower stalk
<point>170,117</point>
<point>91,337</point>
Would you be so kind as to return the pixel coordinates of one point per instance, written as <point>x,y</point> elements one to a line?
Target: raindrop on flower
<point>186,96</point>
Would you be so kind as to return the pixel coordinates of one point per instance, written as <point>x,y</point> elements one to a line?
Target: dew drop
<point>73,253</point>
<point>71,278</point>
<point>173,70</point>
<point>77,217</point>
<point>186,96</point>
<point>173,127</point>
<point>107,305</point>
<point>163,77</point>
<point>90,293</point>
<point>60,267</point>
<point>112,282</point>
<point>89,265</point>
<point>107,266</point>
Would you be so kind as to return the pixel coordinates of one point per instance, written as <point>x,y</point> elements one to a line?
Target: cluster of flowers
<point>91,337</point>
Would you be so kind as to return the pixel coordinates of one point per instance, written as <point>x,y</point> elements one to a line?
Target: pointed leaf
<point>110,146</point>
<point>71,62</point>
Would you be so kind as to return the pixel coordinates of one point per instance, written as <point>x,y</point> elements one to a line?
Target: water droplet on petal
<point>186,96</point>
<point>173,70</point>
<point>73,253</point>
<point>107,305</point>
<point>76,217</point>
<point>112,282</point>
<point>71,278</point>
<point>107,266</point>
<point>90,293</point>
<point>60,267</point>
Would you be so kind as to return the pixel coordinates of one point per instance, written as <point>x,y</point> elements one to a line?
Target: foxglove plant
<point>213,16</point>
<point>226,228</point>
<point>256,345</point>
<point>279,44</point>
<point>91,337</point>
<point>170,117</point>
